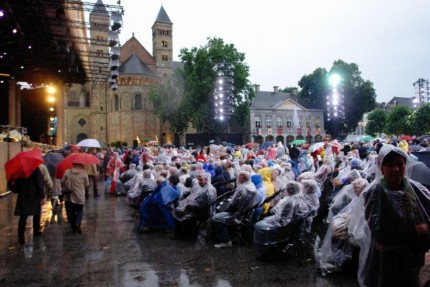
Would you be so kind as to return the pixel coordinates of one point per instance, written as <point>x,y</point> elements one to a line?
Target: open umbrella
<point>366,139</point>
<point>71,147</point>
<point>420,172</point>
<point>52,160</point>
<point>88,143</point>
<point>297,142</point>
<point>316,146</point>
<point>266,145</point>
<point>81,158</point>
<point>252,145</point>
<point>406,138</point>
<point>23,164</point>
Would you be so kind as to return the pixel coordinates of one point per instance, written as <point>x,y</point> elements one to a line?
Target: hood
<point>265,174</point>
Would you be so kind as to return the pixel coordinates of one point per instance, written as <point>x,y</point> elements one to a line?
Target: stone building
<point>277,116</point>
<point>94,110</point>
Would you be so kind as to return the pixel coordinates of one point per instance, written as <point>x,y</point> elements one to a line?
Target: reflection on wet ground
<point>110,252</point>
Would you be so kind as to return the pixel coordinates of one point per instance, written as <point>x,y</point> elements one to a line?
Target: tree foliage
<point>376,121</point>
<point>167,96</point>
<point>359,94</point>
<point>399,121</point>
<point>199,81</point>
<point>421,120</point>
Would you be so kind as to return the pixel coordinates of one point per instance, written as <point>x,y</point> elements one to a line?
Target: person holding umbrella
<point>26,179</point>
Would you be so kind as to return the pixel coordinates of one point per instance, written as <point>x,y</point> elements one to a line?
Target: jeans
<point>75,213</point>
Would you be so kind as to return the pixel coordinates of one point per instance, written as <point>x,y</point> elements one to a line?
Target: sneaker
<point>222,245</point>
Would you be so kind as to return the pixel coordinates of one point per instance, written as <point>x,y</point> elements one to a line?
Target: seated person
<point>124,177</point>
<point>344,197</point>
<point>156,209</point>
<point>141,188</point>
<point>288,220</point>
<point>336,247</point>
<point>310,193</point>
<point>240,208</point>
<point>218,180</point>
<point>197,206</point>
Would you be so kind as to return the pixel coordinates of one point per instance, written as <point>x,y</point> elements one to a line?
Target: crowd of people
<point>359,199</point>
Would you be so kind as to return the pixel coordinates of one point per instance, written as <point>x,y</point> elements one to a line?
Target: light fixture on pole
<point>223,101</point>
<point>335,101</point>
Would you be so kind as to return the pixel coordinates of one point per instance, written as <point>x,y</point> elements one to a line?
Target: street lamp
<point>223,102</point>
<point>335,102</point>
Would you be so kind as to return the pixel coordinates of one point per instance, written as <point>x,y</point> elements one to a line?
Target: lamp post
<point>52,114</point>
<point>335,103</point>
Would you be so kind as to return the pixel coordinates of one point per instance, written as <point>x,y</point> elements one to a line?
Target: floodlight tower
<point>223,101</point>
<point>335,102</point>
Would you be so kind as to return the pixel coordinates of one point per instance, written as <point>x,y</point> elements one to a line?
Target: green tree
<point>167,97</point>
<point>359,94</point>
<point>290,90</point>
<point>421,120</point>
<point>399,121</point>
<point>199,76</point>
<point>376,121</point>
<point>314,89</point>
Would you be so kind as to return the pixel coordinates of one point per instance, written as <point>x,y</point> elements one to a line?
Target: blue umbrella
<point>52,159</point>
<point>266,145</point>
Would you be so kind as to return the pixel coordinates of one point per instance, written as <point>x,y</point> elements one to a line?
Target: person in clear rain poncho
<point>279,227</point>
<point>239,209</point>
<point>197,206</point>
<point>336,247</point>
<point>396,222</point>
<point>344,197</point>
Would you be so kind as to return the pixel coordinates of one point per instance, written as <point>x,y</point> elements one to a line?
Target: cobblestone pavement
<point>110,252</point>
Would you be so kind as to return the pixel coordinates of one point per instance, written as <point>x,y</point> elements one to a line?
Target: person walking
<point>75,182</point>
<point>31,197</point>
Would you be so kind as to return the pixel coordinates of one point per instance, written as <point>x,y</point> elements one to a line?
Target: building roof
<point>100,8</point>
<point>135,66</point>
<point>400,101</point>
<point>163,17</point>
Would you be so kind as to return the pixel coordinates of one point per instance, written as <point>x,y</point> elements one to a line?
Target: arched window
<point>87,99</point>
<point>116,103</point>
<point>138,102</point>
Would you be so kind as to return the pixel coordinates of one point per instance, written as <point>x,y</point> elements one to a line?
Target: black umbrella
<point>52,159</point>
<point>420,172</point>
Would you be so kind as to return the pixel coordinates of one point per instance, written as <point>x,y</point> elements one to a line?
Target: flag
<point>156,138</point>
<point>137,138</point>
<point>296,121</point>
<point>318,131</point>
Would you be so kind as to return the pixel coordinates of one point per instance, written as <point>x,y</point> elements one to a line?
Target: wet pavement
<point>110,252</point>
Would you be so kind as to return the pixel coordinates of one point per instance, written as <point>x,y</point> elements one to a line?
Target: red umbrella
<point>406,138</point>
<point>81,158</point>
<point>23,164</point>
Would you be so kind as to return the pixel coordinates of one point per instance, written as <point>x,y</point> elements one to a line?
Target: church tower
<point>162,44</point>
<point>99,58</point>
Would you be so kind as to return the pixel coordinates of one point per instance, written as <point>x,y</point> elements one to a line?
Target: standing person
<point>91,170</point>
<point>114,169</point>
<point>31,197</point>
<point>396,211</point>
<point>75,182</point>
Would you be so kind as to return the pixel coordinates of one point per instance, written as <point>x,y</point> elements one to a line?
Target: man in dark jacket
<point>31,196</point>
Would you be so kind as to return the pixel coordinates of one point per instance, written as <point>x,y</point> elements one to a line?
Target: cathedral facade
<point>95,110</point>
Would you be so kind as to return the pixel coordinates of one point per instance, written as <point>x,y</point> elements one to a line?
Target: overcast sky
<point>283,40</point>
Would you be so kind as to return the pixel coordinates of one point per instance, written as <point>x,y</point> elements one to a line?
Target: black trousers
<point>23,222</point>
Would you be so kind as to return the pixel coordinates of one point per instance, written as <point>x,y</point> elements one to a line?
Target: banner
<point>309,131</point>
<point>279,131</point>
<point>269,131</point>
